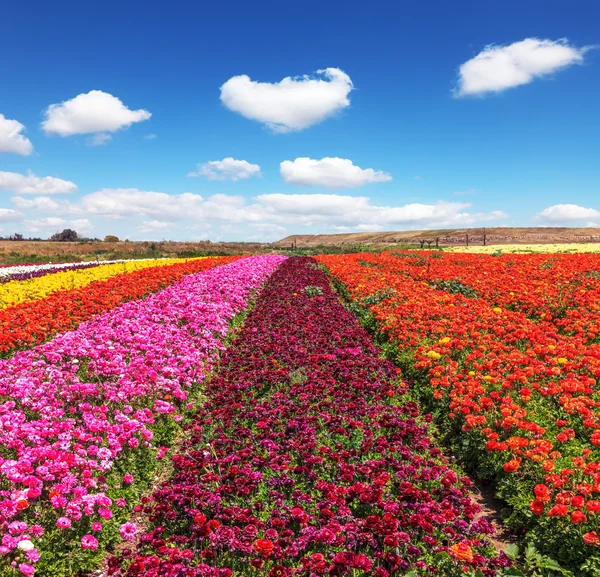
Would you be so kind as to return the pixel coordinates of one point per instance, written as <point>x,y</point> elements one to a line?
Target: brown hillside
<point>448,237</point>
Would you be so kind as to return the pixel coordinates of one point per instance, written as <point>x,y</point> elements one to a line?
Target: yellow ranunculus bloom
<point>434,355</point>
<point>20,291</point>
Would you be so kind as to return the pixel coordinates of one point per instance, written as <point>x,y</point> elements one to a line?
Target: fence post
<point>467,237</point>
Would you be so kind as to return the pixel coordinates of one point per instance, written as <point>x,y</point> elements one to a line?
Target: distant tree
<point>67,235</point>
<point>111,238</point>
<point>16,236</point>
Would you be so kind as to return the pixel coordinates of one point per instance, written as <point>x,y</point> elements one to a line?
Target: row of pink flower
<point>71,407</point>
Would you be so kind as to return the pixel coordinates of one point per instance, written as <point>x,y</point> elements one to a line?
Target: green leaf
<point>512,550</point>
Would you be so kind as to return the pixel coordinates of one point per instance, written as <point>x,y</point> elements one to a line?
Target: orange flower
<point>462,552</point>
<point>512,465</point>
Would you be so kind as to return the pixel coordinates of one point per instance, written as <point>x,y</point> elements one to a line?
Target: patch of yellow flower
<point>20,291</point>
<point>434,355</point>
<point>529,248</point>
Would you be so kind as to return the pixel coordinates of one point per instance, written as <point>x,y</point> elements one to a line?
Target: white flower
<point>25,545</point>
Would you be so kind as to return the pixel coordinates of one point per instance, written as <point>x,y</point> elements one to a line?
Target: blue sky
<point>415,124</point>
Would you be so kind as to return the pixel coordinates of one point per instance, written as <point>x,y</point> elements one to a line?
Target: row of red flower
<point>561,289</point>
<point>517,397</point>
<point>30,323</point>
<point>305,459</point>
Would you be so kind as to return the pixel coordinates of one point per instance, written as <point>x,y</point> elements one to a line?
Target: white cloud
<point>12,139</point>
<point>152,226</point>
<point>55,224</point>
<point>9,215</point>
<point>351,211</point>
<point>39,203</point>
<point>568,214</point>
<point>150,136</point>
<point>130,202</point>
<point>99,139</point>
<point>95,111</point>
<point>32,184</point>
<point>329,172</point>
<point>227,169</point>
<point>497,68</point>
<point>291,104</point>
<point>266,217</point>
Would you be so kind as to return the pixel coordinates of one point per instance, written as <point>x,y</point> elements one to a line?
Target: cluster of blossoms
<point>506,349</point>
<point>306,459</point>
<point>35,271</point>
<point>31,323</point>
<point>15,292</point>
<point>83,415</point>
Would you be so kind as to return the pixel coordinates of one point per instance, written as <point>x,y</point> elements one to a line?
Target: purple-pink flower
<point>128,530</point>
<point>89,542</point>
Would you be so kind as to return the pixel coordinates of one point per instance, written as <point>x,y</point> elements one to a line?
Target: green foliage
<point>454,286</point>
<point>313,291</point>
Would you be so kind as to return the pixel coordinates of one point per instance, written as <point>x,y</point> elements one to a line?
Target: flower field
<point>33,322</point>
<point>33,288</point>
<point>505,351</point>
<point>230,416</point>
<point>85,417</point>
<point>306,459</point>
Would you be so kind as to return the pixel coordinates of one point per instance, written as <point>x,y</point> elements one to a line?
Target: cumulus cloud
<point>130,202</point>
<point>152,226</point>
<point>291,104</point>
<point>39,203</point>
<point>32,184</point>
<point>497,68</point>
<point>268,216</point>
<point>12,139</point>
<point>9,215</point>
<point>352,211</point>
<point>54,224</point>
<point>95,111</point>
<point>569,214</point>
<point>329,172</point>
<point>227,169</point>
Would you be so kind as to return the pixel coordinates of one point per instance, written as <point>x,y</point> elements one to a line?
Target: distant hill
<point>448,237</point>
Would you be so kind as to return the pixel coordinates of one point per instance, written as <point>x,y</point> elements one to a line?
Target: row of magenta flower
<point>306,458</point>
<point>85,417</point>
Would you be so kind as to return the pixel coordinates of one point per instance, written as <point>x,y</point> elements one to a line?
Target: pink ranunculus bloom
<point>33,555</point>
<point>36,530</point>
<point>128,478</point>
<point>105,513</point>
<point>63,522</point>
<point>89,542</point>
<point>96,526</point>
<point>17,527</point>
<point>26,569</point>
<point>128,531</point>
